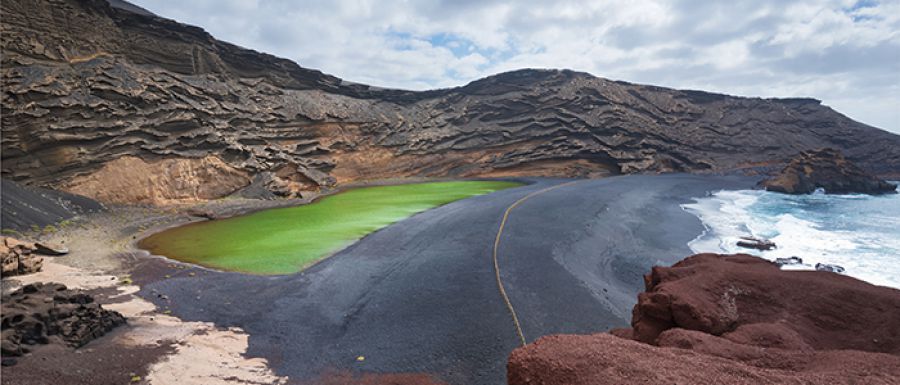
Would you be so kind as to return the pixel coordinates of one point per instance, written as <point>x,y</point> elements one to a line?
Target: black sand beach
<point>420,295</point>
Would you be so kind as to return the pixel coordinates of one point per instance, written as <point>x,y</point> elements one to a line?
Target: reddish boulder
<point>722,295</point>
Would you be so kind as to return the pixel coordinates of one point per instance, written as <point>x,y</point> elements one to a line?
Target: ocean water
<point>861,233</point>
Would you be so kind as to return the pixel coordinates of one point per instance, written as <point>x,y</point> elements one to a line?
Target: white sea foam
<point>858,232</point>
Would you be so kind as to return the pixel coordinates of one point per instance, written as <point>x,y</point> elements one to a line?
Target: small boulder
<point>789,261</point>
<point>202,213</point>
<point>46,248</point>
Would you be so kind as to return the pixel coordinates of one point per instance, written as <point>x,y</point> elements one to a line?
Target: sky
<point>843,52</point>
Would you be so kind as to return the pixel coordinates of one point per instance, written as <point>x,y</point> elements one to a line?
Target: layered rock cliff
<point>86,84</point>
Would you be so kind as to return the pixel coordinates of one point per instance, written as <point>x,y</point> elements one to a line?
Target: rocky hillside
<point>120,105</point>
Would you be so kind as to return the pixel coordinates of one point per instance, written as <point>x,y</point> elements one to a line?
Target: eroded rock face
<point>80,95</point>
<point>736,319</point>
<point>18,257</point>
<point>43,313</point>
<point>129,179</point>
<point>827,169</point>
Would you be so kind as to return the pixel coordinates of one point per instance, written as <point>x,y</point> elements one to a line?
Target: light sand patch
<point>74,278</point>
<point>213,357</point>
<point>204,354</point>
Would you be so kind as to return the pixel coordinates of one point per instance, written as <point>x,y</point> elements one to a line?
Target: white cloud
<point>845,52</point>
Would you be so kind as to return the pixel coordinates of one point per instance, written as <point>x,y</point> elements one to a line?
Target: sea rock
<point>829,170</point>
<point>756,243</point>
<point>18,257</point>
<point>43,313</point>
<point>794,260</point>
<point>145,109</point>
<point>829,268</point>
<point>735,319</point>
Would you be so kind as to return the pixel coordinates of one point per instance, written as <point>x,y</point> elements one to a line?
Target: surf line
<point>509,305</point>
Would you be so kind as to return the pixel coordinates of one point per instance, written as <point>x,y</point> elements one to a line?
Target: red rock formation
<point>736,319</point>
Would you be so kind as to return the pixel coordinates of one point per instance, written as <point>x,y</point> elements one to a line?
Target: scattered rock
<point>43,313</point>
<point>829,170</point>
<point>756,243</point>
<point>789,261</point>
<point>829,268</point>
<point>202,213</point>
<point>18,257</point>
<point>735,319</point>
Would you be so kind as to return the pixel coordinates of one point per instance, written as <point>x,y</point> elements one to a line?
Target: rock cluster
<point>737,319</point>
<point>826,169</point>
<point>50,313</point>
<point>78,97</point>
<point>19,257</point>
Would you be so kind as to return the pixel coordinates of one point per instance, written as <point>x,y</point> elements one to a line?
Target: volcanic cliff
<point>121,105</point>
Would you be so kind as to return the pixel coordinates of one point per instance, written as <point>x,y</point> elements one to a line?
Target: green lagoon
<point>287,240</point>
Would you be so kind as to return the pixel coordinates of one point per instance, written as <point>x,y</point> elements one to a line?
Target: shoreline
<point>163,299</point>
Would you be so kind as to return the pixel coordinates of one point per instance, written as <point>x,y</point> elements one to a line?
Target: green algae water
<point>286,240</point>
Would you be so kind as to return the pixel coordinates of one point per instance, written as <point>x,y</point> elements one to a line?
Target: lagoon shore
<point>415,299</point>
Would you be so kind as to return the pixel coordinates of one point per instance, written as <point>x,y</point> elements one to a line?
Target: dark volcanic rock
<point>756,243</point>
<point>827,169</point>
<point>78,97</point>
<point>736,319</point>
<point>50,313</point>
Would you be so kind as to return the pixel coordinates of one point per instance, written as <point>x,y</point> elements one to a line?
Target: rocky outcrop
<point>78,96</point>
<point>829,170</point>
<point>50,313</point>
<point>735,319</point>
<point>743,297</point>
<point>18,257</point>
